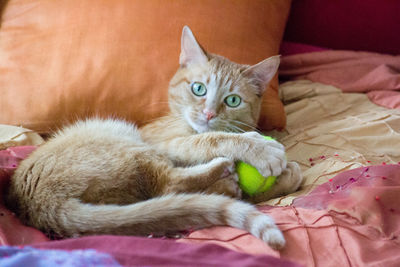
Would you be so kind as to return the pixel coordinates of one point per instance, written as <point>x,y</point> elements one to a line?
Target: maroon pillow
<point>369,25</point>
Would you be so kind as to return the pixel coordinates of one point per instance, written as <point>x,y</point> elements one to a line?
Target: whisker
<point>232,128</point>
<point>238,129</point>
<point>245,124</point>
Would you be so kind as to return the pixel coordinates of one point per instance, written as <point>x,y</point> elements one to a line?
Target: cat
<point>106,176</point>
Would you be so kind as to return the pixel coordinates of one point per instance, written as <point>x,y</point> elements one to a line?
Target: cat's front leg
<point>268,156</point>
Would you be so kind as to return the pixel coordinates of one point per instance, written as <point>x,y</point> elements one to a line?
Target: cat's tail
<point>167,214</point>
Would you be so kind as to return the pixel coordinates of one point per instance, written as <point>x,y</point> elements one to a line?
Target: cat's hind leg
<point>227,186</point>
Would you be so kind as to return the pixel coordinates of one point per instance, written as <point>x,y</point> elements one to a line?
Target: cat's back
<point>89,134</point>
<point>83,141</point>
<point>98,129</point>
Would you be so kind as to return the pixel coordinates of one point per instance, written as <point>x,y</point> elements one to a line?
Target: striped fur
<point>107,177</point>
<point>99,177</point>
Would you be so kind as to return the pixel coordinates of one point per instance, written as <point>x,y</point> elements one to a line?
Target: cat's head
<point>212,93</point>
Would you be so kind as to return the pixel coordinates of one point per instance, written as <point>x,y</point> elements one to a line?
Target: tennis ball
<point>250,180</point>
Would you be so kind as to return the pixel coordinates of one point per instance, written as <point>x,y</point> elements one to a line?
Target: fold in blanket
<point>378,75</point>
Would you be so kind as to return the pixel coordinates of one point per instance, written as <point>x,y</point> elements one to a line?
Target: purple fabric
<point>16,257</point>
<point>158,252</point>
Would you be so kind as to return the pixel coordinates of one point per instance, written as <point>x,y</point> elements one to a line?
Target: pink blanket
<point>353,220</point>
<point>378,75</point>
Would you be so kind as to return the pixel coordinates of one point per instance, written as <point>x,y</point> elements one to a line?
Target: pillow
<point>68,59</point>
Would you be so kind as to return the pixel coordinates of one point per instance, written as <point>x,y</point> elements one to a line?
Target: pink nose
<point>209,114</point>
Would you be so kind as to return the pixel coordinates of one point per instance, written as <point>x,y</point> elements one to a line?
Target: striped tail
<point>166,214</point>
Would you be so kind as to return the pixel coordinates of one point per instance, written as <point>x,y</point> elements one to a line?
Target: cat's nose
<point>209,114</point>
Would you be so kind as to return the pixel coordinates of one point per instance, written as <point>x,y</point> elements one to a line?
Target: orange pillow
<point>68,59</point>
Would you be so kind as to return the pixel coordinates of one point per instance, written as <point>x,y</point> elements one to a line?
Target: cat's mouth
<point>197,124</point>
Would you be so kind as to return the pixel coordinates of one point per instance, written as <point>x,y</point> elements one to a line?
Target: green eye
<point>199,89</point>
<point>233,101</point>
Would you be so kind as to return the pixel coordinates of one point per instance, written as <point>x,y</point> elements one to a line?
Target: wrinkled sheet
<point>377,75</point>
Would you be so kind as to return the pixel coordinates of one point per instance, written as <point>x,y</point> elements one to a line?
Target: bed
<point>342,126</point>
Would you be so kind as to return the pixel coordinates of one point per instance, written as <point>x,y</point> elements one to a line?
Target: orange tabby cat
<point>107,177</point>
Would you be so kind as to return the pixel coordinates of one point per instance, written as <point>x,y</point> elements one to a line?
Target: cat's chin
<point>199,128</point>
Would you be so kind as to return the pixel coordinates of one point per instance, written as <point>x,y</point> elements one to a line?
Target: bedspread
<point>377,75</point>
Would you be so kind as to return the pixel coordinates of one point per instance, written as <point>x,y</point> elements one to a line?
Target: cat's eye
<point>233,101</point>
<point>199,89</point>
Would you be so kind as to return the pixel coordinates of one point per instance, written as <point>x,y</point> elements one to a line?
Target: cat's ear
<point>191,51</point>
<point>264,71</point>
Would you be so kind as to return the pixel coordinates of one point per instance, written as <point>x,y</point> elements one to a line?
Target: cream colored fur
<point>107,177</point>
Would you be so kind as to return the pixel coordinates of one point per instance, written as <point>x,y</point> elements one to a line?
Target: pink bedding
<point>378,75</point>
<point>354,220</point>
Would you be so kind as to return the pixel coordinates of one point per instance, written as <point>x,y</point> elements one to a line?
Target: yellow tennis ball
<point>250,180</point>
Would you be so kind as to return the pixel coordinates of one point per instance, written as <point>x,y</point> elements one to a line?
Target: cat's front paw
<point>267,156</point>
